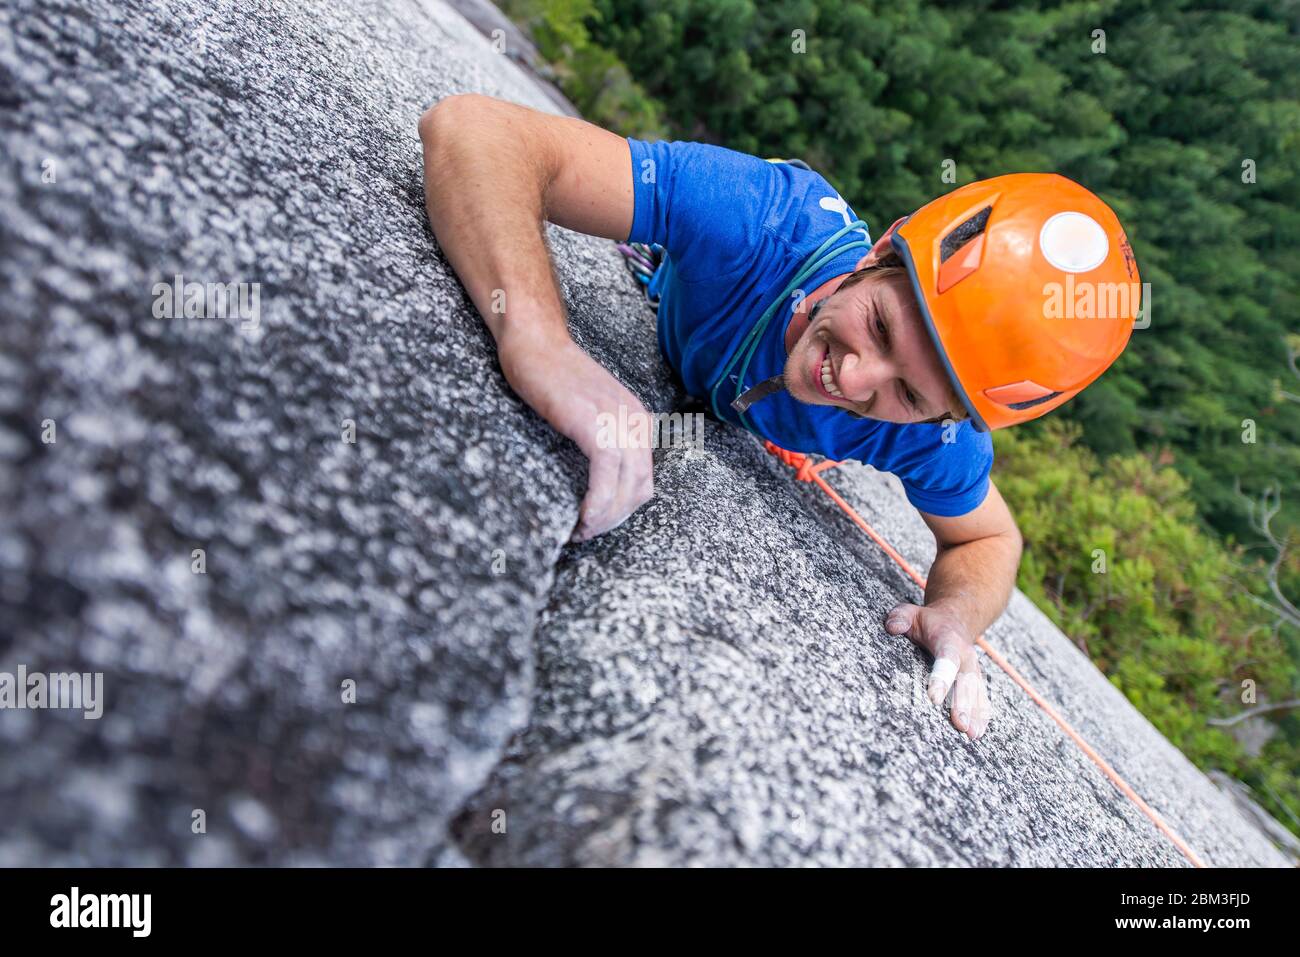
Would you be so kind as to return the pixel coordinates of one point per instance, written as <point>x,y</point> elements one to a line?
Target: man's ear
<point>883,246</point>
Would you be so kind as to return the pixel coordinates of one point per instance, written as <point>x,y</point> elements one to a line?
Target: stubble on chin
<point>796,379</point>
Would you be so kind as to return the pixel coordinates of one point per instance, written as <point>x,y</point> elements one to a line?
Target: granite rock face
<point>316,548</point>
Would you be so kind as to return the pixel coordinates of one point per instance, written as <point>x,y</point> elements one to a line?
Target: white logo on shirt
<point>836,204</point>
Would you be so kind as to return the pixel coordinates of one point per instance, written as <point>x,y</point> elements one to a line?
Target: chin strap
<point>824,253</point>
<point>761,391</point>
<point>775,384</point>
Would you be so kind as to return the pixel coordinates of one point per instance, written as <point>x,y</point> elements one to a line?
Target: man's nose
<point>860,376</point>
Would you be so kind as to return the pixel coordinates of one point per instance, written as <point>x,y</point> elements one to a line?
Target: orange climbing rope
<point>806,471</point>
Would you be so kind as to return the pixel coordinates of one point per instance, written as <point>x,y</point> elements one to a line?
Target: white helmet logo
<point>1073,242</point>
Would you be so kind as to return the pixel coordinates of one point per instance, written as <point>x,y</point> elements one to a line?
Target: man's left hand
<point>941,633</point>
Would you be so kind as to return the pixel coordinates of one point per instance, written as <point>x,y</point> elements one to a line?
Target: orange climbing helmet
<point>1028,287</point>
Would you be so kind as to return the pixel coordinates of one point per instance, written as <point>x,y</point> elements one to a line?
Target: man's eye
<point>911,399</point>
<point>880,328</point>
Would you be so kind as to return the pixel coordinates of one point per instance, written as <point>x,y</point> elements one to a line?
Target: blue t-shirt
<point>737,229</point>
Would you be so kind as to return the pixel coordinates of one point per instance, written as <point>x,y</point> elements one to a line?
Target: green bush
<point>592,77</point>
<point>1114,555</point>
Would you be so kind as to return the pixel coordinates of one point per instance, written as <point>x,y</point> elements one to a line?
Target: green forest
<point>1160,508</point>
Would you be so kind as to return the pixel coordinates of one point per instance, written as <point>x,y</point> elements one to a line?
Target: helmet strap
<point>761,391</point>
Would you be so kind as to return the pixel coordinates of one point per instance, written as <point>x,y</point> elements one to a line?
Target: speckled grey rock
<point>707,684</point>
<point>725,694</point>
<point>270,143</point>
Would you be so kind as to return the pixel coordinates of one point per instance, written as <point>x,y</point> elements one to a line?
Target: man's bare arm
<point>968,586</point>
<point>493,172</point>
<point>975,568</point>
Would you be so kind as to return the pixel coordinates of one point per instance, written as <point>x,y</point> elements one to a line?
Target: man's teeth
<point>828,380</point>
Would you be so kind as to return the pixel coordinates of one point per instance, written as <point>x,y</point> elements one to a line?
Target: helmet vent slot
<point>963,234</point>
<point>1030,403</point>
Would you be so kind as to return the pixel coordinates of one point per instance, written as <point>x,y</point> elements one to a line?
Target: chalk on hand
<point>944,671</point>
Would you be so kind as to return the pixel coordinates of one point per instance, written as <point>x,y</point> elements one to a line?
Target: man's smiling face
<point>867,350</point>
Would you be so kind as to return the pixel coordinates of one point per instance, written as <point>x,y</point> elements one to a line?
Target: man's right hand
<point>570,390</point>
<point>492,172</point>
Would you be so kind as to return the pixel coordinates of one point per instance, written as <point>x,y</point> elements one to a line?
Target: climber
<point>778,309</point>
